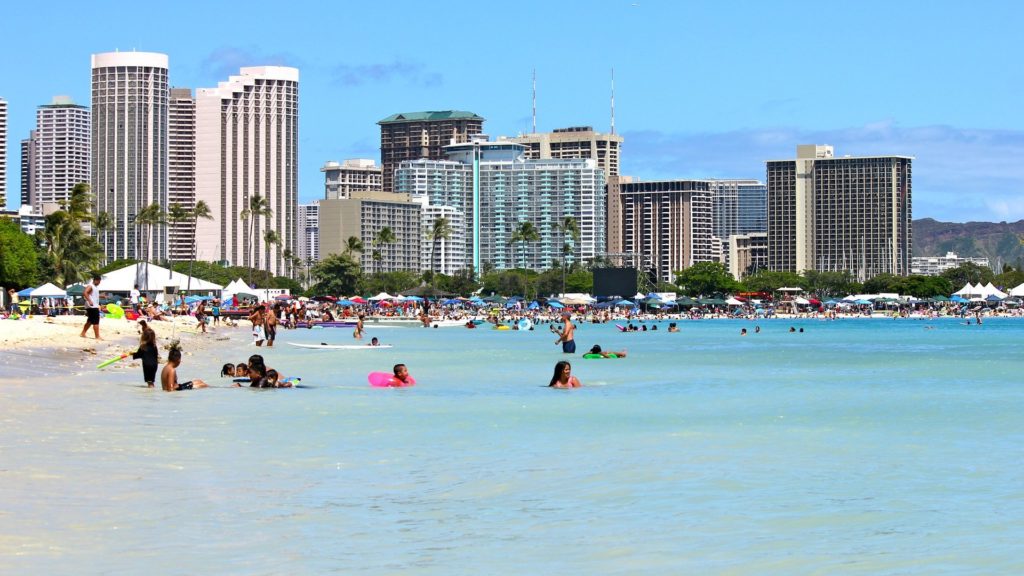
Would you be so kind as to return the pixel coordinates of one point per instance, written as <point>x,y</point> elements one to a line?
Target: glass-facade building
<point>497,189</point>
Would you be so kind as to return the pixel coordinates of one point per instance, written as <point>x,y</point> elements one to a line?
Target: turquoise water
<point>856,447</point>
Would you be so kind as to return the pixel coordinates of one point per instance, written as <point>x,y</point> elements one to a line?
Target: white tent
<point>152,278</point>
<point>237,286</point>
<point>734,302</point>
<point>48,290</point>
<point>991,290</point>
<point>967,289</point>
<point>381,296</point>
<point>1018,291</point>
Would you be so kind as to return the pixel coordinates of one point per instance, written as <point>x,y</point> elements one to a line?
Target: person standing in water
<point>358,333</point>
<point>566,337</point>
<point>148,353</point>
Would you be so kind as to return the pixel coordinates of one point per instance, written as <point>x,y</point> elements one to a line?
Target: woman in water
<point>563,377</point>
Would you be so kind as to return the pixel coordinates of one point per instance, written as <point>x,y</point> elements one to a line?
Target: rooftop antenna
<point>613,100</point>
<point>534,101</point>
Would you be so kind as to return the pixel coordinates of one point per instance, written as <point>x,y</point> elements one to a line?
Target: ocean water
<point>855,447</point>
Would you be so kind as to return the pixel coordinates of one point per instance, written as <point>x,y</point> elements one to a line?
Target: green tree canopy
<point>830,284</point>
<point>707,279</point>
<point>968,272</point>
<point>770,281</point>
<point>461,283</point>
<point>390,282</point>
<point>19,267</point>
<point>336,274</point>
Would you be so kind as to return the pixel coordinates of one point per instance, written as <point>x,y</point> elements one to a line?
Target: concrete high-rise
<point>247,144</point>
<point>354,175</point>
<point>363,215</point>
<point>61,148</point>
<point>422,135</point>
<point>181,169</point>
<point>667,224</point>
<point>129,148</point>
<point>495,189</point>
<point>739,207</point>
<point>308,247</point>
<point>840,214</point>
<point>3,154</point>
<point>28,154</point>
<point>576,142</point>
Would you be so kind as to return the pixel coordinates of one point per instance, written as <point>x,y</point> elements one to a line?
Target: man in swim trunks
<point>92,307</point>
<point>169,375</point>
<point>566,337</point>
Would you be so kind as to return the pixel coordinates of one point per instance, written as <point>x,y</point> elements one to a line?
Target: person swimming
<point>374,342</point>
<point>596,349</point>
<point>563,377</point>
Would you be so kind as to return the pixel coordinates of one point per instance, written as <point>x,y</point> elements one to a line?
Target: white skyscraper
<point>129,147</point>
<point>246,145</point>
<point>3,154</point>
<point>62,149</point>
<point>181,169</point>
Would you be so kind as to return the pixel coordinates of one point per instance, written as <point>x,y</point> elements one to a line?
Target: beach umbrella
<point>76,290</point>
<point>414,298</point>
<point>685,301</point>
<point>862,302</point>
<point>555,304</point>
<point>357,300</point>
<point>625,302</point>
<point>325,298</point>
<point>533,305</point>
<point>494,300</point>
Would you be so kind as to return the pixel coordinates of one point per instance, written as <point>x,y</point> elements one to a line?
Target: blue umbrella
<point>414,298</point>
<point>624,303</point>
<point>959,300</point>
<point>344,302</point>
<point>26,292</point>
<point>862,302</point>
<point>451,301</point>
<point>554,304</point>
<point>533,305</point>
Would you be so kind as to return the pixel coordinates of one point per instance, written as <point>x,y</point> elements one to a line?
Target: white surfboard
<point>340,346</point>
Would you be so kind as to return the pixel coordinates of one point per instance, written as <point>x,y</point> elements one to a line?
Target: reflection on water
<point>856,446</point>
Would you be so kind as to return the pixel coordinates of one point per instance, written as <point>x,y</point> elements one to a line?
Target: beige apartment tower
<point>364,215</point>
<point>60,151</point>
<point>840,214</point>
<point>577,142</point>
<point>247,145</point>
<point>353,175</point>
<point>422,135</point>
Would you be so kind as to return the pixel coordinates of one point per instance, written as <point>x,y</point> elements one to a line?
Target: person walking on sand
<point>566,337</point>
<point>92,307</point>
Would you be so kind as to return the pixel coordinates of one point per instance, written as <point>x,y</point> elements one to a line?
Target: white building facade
<point>308,247</point>
<point>936,265</point>
<point>353,175</point>
<point>181,169</point>
<point>61,148</point>
<point>247,145</point>
<point>129,148</point>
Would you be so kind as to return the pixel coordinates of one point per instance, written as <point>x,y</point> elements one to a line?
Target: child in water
<point>169,375</point>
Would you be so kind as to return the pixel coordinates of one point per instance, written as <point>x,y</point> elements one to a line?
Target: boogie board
<point>385,380</point>
<point>340,346</point>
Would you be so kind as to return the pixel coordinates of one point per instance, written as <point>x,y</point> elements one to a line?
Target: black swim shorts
<point>185,385</point>
<point>92,315</point>
<point>569,347</point>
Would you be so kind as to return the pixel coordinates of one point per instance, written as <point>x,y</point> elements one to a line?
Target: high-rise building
<point>3,154</point>
<point>578,142</point>
<point>247,145</point>
<point>363,215</point>
<point>496,189</point>
<point>667,224</point>
<point>60,149</point>
<point>936,265</point>
<point>28,155</point>
<point>416,135</point>
<point>748,253</point>
<point>308,248</point>
<point>441,253</point>
<point>129,148</point>
<point>739,207</point>
<point>181,169</point>
<point>355,175</point>
<point>840,214</point>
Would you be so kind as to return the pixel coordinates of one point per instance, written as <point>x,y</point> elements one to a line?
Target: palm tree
<point>70,252</point>
<point>272,238</point>
<point>384,237</point>
<point>289,261</point>
<point>102,225</point>
<point>441,229</point>
<point>258,206</point>
<point>146,219</point>
<point>353,245</point>
<point>525,232</point>
<point>176,214</point>
<point>571,228</point>
<point>200,210</point>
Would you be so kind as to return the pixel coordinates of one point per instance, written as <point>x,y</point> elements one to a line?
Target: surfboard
<point>323,346</point>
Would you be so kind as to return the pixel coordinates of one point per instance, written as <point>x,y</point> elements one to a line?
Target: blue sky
<point>703,89</point>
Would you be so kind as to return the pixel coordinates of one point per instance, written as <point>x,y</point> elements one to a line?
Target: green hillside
<point>1000,242</point>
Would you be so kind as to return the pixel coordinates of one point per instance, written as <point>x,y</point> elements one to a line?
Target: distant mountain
<point>1000,242</point>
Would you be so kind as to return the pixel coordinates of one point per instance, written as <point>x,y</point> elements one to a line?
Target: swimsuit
<point>185,386</point>
<point>569,347</point>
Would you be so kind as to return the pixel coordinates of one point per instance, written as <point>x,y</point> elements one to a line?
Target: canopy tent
<point>1018,291</point>
<point>685,301</point>
<point>734,302</point>
<point>966,290</point>
<point>76,290</point>
<point>26,292</point>
<point>958,299</point>
<point>381,296</point>
<point>153,278</point>
<point>48,290</point>
<point>237,286</point>
<point>991,290</point>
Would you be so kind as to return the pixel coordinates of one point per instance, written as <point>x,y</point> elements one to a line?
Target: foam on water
<point>854,447</point>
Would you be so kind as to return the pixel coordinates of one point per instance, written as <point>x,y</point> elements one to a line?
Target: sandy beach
<point>39,346</point>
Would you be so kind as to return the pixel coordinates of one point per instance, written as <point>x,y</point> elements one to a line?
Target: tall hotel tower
<point>247,131</point>
<point>3,154</point>
<point>181,169</point>
<point>834,214</point>
<point>416,135</point>
<point>61,148</point>
<point>129,147</point>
